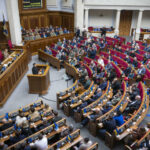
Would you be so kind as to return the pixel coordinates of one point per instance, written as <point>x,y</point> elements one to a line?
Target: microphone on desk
<point>68,79</point>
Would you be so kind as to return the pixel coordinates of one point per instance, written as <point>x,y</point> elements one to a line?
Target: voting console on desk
<point>39,83</point>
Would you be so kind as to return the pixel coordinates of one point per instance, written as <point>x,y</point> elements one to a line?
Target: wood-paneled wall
<point>42,18</point>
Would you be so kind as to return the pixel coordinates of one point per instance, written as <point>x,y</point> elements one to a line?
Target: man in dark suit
<point>116,85</point>
<point>133,105</point>
<point>78,32</point>
<point>34,69</point>
<point>127,71</point>
<point>108,125</point>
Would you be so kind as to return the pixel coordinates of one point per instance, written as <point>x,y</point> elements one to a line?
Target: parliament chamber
<point>74,75</point>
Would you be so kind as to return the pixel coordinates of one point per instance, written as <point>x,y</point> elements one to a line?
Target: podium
<point>39,83</point>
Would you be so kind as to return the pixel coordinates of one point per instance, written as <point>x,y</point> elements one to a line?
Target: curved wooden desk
<point>14,72</point>
<point>39,83</point>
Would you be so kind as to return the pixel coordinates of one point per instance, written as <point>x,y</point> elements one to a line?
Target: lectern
<point>38,84</point>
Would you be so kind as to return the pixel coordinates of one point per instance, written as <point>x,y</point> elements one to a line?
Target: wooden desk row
<point>33,45</point>
<point>10,78</point>
<point>131,123</point>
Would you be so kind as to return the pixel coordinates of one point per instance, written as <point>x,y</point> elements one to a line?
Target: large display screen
<point>32,4</point>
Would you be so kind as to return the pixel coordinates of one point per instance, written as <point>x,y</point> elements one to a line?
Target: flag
<point>68,138</point>
<point>55,126</point>
<point>5,31</point>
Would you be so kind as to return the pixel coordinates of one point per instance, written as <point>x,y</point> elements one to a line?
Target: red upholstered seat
<point>54,53</point>
<point>90,28</point>
<point>59,48</point>
<point>88,60</point>
<point>52,45</point>
<point>117,70</point>
<point>139,57</point>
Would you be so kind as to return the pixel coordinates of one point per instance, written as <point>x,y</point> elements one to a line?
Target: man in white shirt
<point>101,61</point>
<point>20,119</point>
<point>84,145</point>
<point>41,143</point>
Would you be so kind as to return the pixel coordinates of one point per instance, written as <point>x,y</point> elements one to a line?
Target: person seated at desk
<point>148,65</point>
<point>48,50</point>
<point>119,49</point>
<point>26,130</point>
<point>127,71</point>
<point>116,98</point>
<point>6,54</point>
<point>92,53</point>
<point>141,71</point>
<point>101,61</point>
<point>119,118</point>
<point>98,93</point>
<point>82,74</point>
<point>109,125</point>
<point>132,74</point>
<point>44,124</point>
<point>147,48</point>
<point>56,116</point>
<point>102,45</point>
<point>6,123</point>
<point>103,85</point>
<point>86,83</point>
<point>135,62</point>
<point>109,67</point>
<point>3,146</point>
<point>116,85</point>
<point>127,59</point>
<point>92,65</point>
<point>59,43</point>
<point>132,54</point>
<point>34,113</point>
<point>112,75</point>
<point>145,145</point>
<point>35,70</point>
<point>135,134</point>
<point>84,144</point>
<point>67,131</point>
<point>41,143</point>
<point>20,119</point>
<point>146,57</point>
<point>133,105</point>
<point>18,137</point>
<point>97,112</point>
<point>133,91</point>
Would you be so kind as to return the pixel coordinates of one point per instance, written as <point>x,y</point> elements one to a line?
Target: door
<point>125,23</point>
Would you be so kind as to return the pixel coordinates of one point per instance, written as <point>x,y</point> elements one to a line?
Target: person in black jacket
<point>135,62</point>
<point>109,125</point>
<point>116,85</point>
<point>133,105</point>
<point>78,32</point>
<point>35,70</point>
<point>127,71</point>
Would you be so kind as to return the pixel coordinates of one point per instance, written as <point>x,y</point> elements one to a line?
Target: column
<point>14,21</point>
<point>86,18</point>
<point>78,14</point>
<point>117,22</point>
<point>138,28</point>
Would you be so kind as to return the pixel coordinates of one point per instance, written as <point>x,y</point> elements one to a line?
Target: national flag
<point>68,138</point>
<point>5,31</point>
<point>55,126</point>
